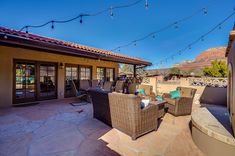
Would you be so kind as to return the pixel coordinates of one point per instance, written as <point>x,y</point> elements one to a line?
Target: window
<point>85,73</point>
<point>71,75</point>
<point>100,73</point>
<point>109,74</point>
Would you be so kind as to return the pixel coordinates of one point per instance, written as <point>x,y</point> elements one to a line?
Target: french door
<point>47,87</point>
<point>34,81</point>
<point>25,82</point>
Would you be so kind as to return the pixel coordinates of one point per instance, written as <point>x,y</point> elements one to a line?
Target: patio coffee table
<point>161,107</point>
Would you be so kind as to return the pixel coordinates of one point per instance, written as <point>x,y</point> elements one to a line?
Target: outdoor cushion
<point>175,94</point>
<point>159,98</point>
<point>171,101</point>
<point>144,103</point>
<point>141,91</point>
<point>185,92</point>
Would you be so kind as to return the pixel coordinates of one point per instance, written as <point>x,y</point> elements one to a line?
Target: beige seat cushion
<point>147,88</point>
<point>84,84</point>
<point>107,86</point>
<point>185,92</point>
<point>132,88</point>
<point>171,101</point>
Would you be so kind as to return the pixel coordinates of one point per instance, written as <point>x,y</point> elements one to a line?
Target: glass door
<point>71,74</point>
<point>47,86</point>
<point>25,88</point>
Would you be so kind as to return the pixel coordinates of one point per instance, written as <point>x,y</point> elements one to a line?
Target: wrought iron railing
<point>209,81</point>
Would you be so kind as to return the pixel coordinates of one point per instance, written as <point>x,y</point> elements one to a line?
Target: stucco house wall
<point>231,88</point>
<point>8,54</point>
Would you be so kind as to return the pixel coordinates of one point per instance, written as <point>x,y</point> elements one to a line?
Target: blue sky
<point>128,24</point>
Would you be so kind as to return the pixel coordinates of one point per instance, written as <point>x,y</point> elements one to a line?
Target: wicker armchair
<point>148,91</point>
<point>182,105</point>
<point>107,86</point>
<point>84,85</point>
<point>119,86</point>
<point>100,103</point>
<point>94,84</point>
<point>128,117</point>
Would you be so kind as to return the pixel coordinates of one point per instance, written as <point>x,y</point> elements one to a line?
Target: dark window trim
<point>85,66</point>
<point>105,74</point>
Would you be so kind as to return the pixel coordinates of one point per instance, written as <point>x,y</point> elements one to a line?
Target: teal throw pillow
<point>141,91</point>
<point>159,98</point>
<point>175,94</point>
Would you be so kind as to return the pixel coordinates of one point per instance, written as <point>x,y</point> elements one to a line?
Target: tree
<point>218,69</point>
<point>127,68</point>
<point>175,71</point>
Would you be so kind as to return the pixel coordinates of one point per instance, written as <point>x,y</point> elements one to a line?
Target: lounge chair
<point>119,86</point>
<point>82,95</point>
<point>128,117</point>
<point>94,84</point>
<point>84,85</point>
<point>132,88</point>
<point>149,94</point>
<point>182,105</point>
<point>107,86</point>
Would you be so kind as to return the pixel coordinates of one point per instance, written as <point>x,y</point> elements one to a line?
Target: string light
<point>220,27</point>
<point>111,12</point>
<point>27,31</point>
<point>205,11</point>
<point>52,24</point>
<point>189,46</point>
<point>146,4</point>
<point>174,24</point>
<point>82,15</point>
<point>135,43</point>
<point>81,19</point>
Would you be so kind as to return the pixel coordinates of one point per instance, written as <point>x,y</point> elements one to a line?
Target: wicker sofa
<point>182,105</point>
<point>128,117</point>
<point>100,103</point>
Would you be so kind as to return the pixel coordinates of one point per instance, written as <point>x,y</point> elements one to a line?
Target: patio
<point>57,128</point>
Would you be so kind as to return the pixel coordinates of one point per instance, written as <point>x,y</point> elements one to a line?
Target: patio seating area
<point>55,127</point>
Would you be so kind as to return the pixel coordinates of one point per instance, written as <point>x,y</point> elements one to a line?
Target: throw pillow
<point>141,91</point>
<point>144,103</point>
<point>159,98</point>
<point>175,94</point>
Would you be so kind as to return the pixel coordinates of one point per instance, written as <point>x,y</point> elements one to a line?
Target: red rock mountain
<point>204,59</point>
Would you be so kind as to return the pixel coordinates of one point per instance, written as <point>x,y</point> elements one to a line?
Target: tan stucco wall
<point>8,54</point>
<point>208,95</point>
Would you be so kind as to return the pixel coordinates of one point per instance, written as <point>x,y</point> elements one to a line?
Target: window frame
<point>84,66</point>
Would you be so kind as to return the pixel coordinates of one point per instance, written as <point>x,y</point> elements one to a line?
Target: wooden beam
<point>134,74</point>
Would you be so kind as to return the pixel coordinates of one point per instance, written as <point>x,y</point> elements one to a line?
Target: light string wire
<point>80,16</point>
<point>189,46</point>
<point>169,26</point>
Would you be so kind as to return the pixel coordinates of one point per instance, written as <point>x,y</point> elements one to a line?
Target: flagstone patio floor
<point>57,128</point>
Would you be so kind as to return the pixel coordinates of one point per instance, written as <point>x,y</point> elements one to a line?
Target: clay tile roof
<point>31,40</point>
